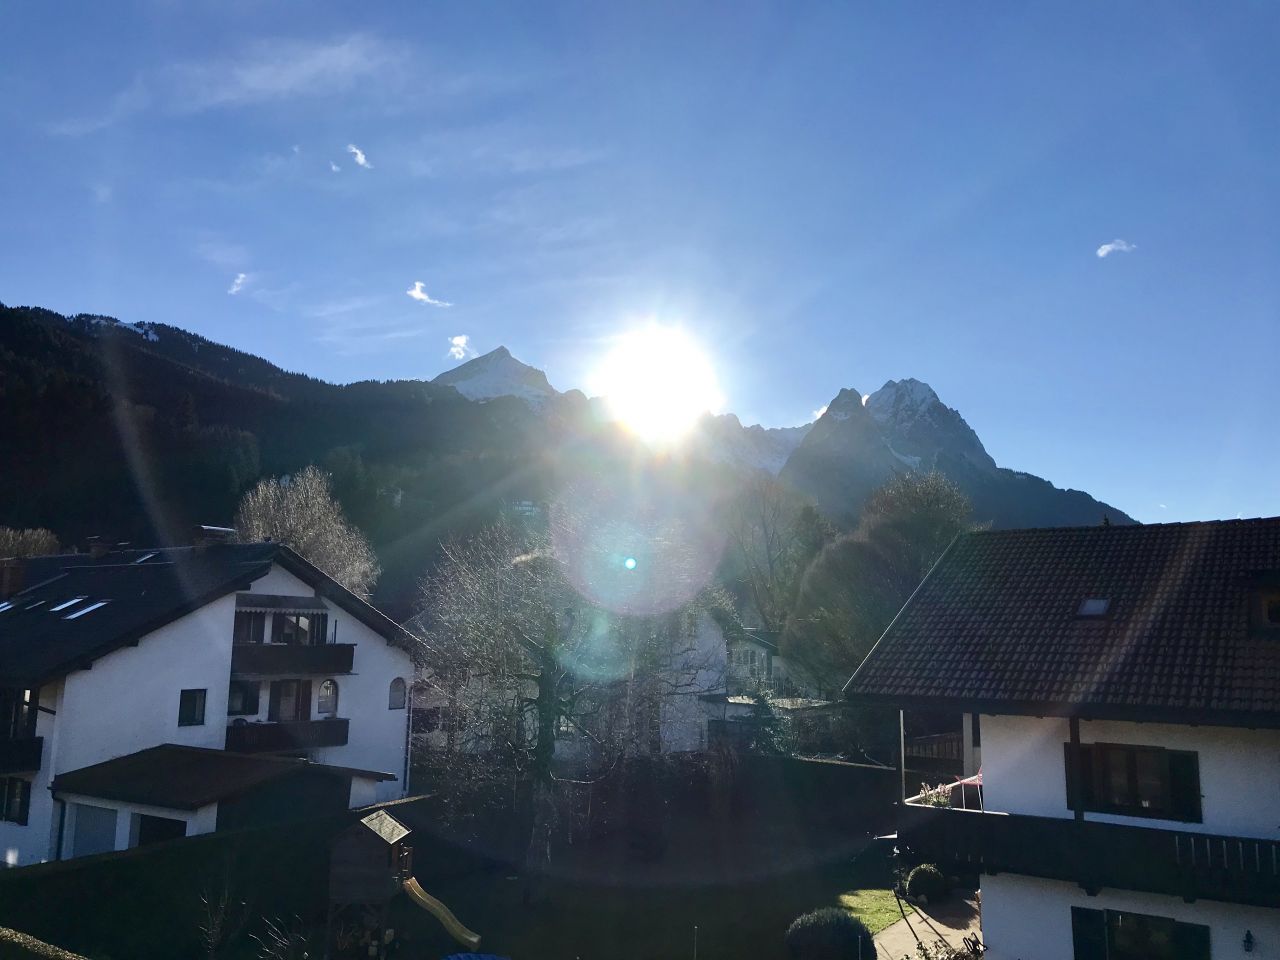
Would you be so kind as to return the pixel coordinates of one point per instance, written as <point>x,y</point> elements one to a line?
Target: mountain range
<point>137,431</point>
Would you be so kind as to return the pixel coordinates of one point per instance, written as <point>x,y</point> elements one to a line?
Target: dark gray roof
<point>143,590</point>
<point>997,626</point>
<point>186,778</point>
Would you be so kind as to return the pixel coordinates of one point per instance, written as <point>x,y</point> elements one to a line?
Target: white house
<point>151,694</point>
<point>1123,684</point>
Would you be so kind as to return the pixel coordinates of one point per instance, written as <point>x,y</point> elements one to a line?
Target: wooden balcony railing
<point>293,659</point>
<point>287,735</point>
<point>21,755</point>
<point>1095,855</point>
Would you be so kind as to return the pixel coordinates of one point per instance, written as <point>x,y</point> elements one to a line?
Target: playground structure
<point>369,864</point>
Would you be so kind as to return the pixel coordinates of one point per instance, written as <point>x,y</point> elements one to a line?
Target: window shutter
<point>304,700</point>
<point>1191,941</point>
<point>1089,934</point>
<point>273,704</point>
<point>24,802</point>
<point>1086,767</point>
<point>1184,785</point>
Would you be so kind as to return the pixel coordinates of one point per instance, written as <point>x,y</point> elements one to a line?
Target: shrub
<point>926,881</point>
<point>829,934</point>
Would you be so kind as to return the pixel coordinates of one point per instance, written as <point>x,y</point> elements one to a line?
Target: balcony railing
<point>21,755</point>
<point>1096,855</point>
<point>295,659</point>
<point>287,735</point>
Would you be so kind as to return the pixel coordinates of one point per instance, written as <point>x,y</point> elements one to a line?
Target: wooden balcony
<point>291,659</point>
<point>21,755</point>
<point>287,735</point>
<point>1096,855</point>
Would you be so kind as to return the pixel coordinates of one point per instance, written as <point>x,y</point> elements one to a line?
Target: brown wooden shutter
<point>273,704</point>
<point>1088,934</point>
<point>304,700</point>
<point>1087,795</point>
<point>1184,785</point>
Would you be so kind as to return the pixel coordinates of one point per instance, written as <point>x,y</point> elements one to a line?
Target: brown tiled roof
<point>187,778</point>
<point>995,626</point>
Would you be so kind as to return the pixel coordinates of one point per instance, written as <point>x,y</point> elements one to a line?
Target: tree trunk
<point>542,813</point>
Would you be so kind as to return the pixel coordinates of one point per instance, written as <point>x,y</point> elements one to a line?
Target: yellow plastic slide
<point>442,913</point>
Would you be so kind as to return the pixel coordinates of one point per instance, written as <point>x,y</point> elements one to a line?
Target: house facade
<point>1121,687</point>
<point>150,694</point>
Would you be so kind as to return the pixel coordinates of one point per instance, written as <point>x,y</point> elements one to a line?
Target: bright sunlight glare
<point>657,381</point>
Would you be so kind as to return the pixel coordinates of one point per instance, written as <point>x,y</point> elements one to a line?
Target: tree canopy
<point>302,513</point>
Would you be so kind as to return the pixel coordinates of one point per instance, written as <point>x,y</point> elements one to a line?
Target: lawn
<point>583,921</point>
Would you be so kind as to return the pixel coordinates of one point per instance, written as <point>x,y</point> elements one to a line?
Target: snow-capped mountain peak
<point>901,401</point>
<point>498,374</point>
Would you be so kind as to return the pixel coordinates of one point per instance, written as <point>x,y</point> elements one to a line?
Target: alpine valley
<point>136,432</point>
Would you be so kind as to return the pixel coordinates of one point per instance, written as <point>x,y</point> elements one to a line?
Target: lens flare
<point>657,382</point>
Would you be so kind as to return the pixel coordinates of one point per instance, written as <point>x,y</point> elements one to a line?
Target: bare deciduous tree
<point>540,687</point>
<point>303,514</point>
<point>27,543</point>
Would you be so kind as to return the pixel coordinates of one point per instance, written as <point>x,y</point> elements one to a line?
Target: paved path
<point>950,921</point>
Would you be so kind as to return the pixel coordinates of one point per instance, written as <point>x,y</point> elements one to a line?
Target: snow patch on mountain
<point>499,374</point>
<point>723,439</point>
<point>901,402</point>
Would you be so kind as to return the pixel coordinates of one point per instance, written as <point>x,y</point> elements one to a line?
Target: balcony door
<point>290,701</point>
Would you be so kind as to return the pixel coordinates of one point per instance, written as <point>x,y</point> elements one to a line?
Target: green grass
<point>877,908</point>
<point>579,921</point>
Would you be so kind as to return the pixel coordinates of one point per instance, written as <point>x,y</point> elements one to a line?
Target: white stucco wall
<point>376,738</point>
<point>1023,770</point>
<point>20,844</point>
<point>128,701</point>
<point>1025,918</point>
<point>702,669</point>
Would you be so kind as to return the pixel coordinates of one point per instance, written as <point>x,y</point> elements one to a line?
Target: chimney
<point>97,547</point>
<point>12,575</point>
<point>207,536</point>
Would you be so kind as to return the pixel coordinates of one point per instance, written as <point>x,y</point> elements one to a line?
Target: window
<point>1116,935</point>
<point>304,628</point>
<point>251,627</point>
<point>65,603</point>
<point>191,708</point>
<point>290,700</point>
<point>1137,781</point>
<point>83,610</point>
<point>975,727</point>
<point>1094,607</point>
<point>396,695</point>
<point>15,804</point>
<point>242,698</point>
<point>327,701</point>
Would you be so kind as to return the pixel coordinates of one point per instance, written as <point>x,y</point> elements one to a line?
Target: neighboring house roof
<point>186,778</point>
<point>386,826</point>
<point>999,626</point>
<point>761,638</point>
<point>138,592</point>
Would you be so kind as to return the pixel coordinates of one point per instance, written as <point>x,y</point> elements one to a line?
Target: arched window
<point>327,701</point>
<point>395,701</point>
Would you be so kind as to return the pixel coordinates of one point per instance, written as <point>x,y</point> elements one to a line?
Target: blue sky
<point>825,195</point>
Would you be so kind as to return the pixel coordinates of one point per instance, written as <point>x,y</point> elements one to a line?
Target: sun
<point>657,381</point>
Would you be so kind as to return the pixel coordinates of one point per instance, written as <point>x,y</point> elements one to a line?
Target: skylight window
<point>89,609</point>
<point>8,604</point>
<point>144,558</point>
<point>67,603</point>
<point>1094,607</point>
<point>32,606</point>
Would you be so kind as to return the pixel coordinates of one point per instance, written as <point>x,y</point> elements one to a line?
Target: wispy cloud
<point>334,167</point>
<point>262,72</point>
<point>820,411</point>
<point>238,283</point>
<point>361,159</point>
<point>1116,246</point>
<point>422,296</point>
<point>460,347</point>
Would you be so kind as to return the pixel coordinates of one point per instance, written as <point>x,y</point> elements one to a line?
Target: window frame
<point>320,698</point>
<point>201,695</point>
<point>397,689</point>
<point>15,808</point>
<point>256,687</point>
<point>1180,799</point>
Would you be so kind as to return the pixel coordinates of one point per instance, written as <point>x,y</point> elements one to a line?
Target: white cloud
<point>238,283</point>
<point>334,167</point>
<point>460,347</point>
<point>262,72</point>
<point>422,296</point>
<point>361,159</point>
<point>820,411</point>
<point>1116,246</point>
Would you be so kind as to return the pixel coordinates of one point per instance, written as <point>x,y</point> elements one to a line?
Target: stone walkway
<point>951,921</point>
